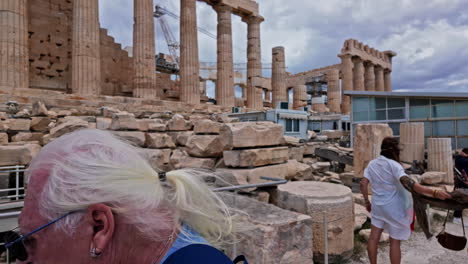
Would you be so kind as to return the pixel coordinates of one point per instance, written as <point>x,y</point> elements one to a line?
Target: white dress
<point>391,203</point>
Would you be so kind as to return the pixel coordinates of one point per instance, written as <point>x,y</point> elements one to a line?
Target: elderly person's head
<point>111,206</point>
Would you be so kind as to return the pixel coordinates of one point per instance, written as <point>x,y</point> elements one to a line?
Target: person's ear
<point>103,224</point>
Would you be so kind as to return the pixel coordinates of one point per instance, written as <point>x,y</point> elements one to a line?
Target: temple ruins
<point>300,134</point>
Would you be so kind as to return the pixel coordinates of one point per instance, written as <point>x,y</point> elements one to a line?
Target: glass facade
<point>441,117</point>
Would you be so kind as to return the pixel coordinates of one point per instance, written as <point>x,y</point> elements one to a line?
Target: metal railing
<point>19,183</point>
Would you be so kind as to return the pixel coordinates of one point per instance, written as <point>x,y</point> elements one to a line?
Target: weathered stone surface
<point>180,138</point>
<point>296,153</point>
<point>159,140</point>
<point>412,141</point>
<point>248,176</point>
<point>18,154</point>
<point>367,142</point>
<point>134,137</point>
<point>124,121</point>
<point>67,127</point>
<point>39,109</point>
<point>3,116</point>
<point>63,113</point>
<point>365,234</point>
<point>103,123</point>
<point>4,125</point>
<point>299,171</point>
<point>270,234</point>
<point>19,124</point>
<point>311,134</point>
<point>178,123</point>
<point>439,157</point>
<point>321,166</point>
<point>347,178</point>
<point>206,146</point>
<point>360,216</point>
<point>333,134</point>
<point>3,138</point>
<point>319,199</point>
<point>27,136</point>
<point>255,157</point>
<point>206,126</point>
<point>85,118</point>
<point>23,114</point>
<point>252,134</point>
<point>40,124</point>
<point>180,159</point>
<point>433,177</point>
<point>159,159</point>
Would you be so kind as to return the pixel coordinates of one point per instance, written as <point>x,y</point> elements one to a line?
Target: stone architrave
<point>86,55</point>
<point>388,80</point>
<point>278,77</point>
<point>412,142</point>
<point>370,77</point>
<point>255,157</point>
<point>254,61</point>
<point>144,60</point>
<point>189,64</point>
<point>269,234</point>
<point>20,154</point>
<point>347,82</point>
<point>379,79</point>
<point>14,44</point>
<point>439,156</point>
<point>252,134</point>
<point>358,72</point>
<point>299,97</point>
<point>225,74</point>
<point>367,142</point>
<point>323,201</point>
<point>334,92</point>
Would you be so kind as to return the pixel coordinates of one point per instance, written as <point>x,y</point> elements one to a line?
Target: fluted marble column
<point>334,93</point>
<point>388,80</point>
<point>439,156</point>
<point>347,82</point>
<point>412,141</point>
<point>278,77</point>
<point>86,57</point>
<point>14,48</point>
<point>370,77</point>
<point>379,79</point>
<point>225,74</point>
<point>254,61</point>
<point>299,96</point>
<point>358,72</point>
<point>144,61</point>
<point>189,64</point>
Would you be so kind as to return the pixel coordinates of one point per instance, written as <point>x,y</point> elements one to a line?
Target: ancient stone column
<point>367,142</point>
<point>254,61</point>
<point>346,82</point>
<point>358,72</point>
<point>225,74</point>
<point>299,97</point>
<point>412,142</point>
<point>334,93</point>
<point>323,200</point>
<point>379,79</point>
<point>14,48</point>
<point>86,58</point>
<point>144,61</point>
<point>388,80</point>
<point>439,156</point>
<point>370,77</point>
<point>278,77</point>
<point>189,64</point>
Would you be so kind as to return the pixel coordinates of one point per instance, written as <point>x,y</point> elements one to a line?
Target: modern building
<point>444,115</point>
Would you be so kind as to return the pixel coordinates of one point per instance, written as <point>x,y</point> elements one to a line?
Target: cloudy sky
<point>430,36</point>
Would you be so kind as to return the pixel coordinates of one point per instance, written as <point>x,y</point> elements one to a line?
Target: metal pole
<point>234,247</point>
<point>17,182</point>
<point>325,240</point>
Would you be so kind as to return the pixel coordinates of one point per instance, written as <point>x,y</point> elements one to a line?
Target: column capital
<point>222,8</point>
<point>253,19</point>
<point>345,56</point>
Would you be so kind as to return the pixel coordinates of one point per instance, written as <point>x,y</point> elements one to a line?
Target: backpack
<point>201,254</point>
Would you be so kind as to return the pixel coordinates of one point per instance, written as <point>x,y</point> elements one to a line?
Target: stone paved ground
<point>419,250</point>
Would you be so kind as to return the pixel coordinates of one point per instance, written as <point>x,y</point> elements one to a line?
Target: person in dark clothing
<point>461,163</point>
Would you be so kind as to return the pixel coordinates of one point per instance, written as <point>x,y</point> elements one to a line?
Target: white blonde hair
<point>91,166</point>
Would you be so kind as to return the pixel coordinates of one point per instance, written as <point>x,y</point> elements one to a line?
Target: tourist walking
<point>461,181</point>
<point>391,208</point>
<point>93,199</point>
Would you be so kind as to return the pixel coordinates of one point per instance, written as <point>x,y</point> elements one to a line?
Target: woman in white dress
<point>392,208</point>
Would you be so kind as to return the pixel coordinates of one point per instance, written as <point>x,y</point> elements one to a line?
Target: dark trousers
<point>458,214</point>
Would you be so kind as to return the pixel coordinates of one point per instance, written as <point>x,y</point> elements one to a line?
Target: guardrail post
<point>17,182</point>
<point>325,238</point>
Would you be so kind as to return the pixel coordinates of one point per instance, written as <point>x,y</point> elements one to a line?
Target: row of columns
<point>362,76</point>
